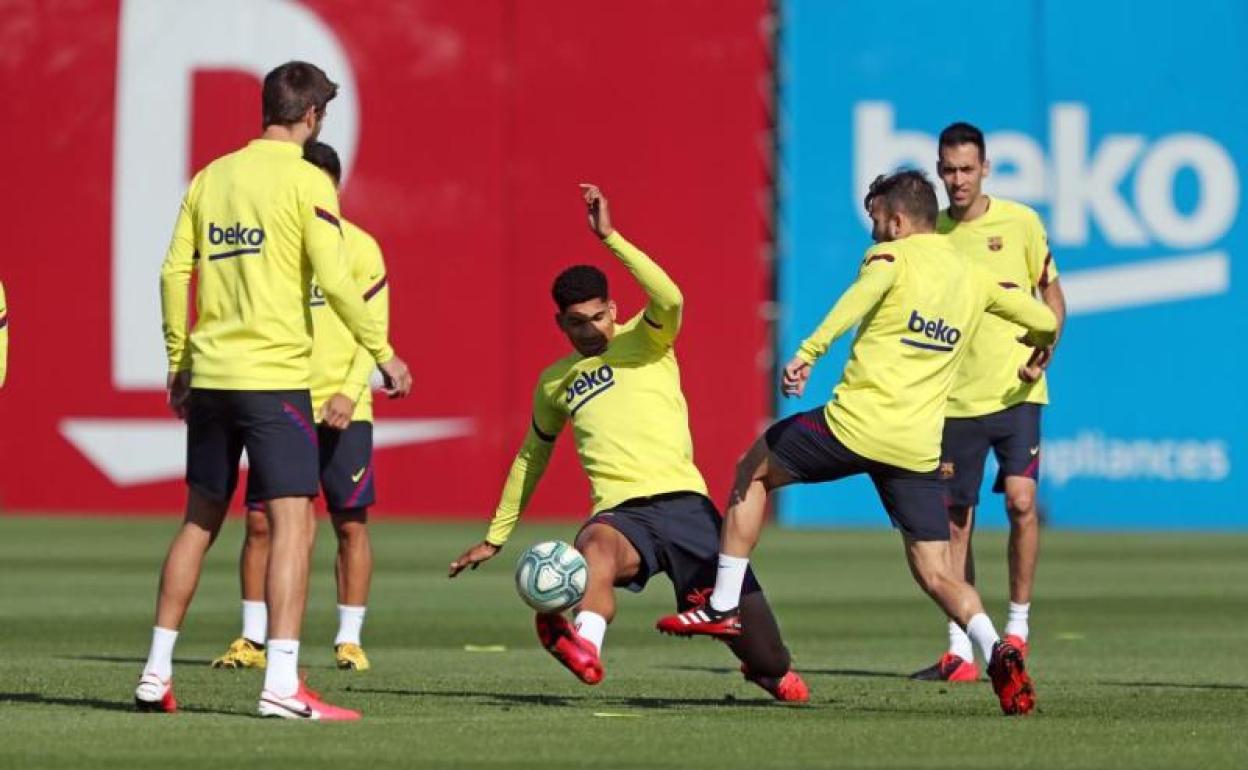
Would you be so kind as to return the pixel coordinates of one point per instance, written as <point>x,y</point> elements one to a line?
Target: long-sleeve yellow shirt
<point>256,226</point>
<point>920,302</point>
<point>628,413</point>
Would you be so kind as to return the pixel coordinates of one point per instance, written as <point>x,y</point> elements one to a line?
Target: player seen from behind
<point>343,404</point>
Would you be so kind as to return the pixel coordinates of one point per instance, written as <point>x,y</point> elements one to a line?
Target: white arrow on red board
<point>142,451</point>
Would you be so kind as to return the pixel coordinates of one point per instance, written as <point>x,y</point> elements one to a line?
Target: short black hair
<point>325,158</point>
<point>579,283</point>
<point>289,90</point>
<point>960,133</point>
<point>908,191</point>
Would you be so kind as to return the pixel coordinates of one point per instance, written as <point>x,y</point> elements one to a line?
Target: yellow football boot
<point>350,657</point>
<point>243,653</point>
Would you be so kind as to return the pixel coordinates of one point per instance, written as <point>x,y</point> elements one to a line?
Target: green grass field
<point>1138,653</point>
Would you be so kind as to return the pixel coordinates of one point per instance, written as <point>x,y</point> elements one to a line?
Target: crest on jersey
<point>995,243</point>
<point>947,471</point>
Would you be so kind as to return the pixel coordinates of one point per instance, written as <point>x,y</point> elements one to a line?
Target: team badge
<point>995,243</point>
<point>946,470</point>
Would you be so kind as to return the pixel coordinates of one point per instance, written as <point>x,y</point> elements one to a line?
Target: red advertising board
<point>465,128</point>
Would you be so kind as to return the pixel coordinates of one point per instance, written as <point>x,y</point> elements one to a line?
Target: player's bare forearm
<point>1055,298</point>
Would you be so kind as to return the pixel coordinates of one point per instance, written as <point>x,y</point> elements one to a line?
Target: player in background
<point>343,404</point>
<point>919,302</point>
<point>997,396</point>
<point>4,336</point>
<point>621,391</point>
<point>256,226</point>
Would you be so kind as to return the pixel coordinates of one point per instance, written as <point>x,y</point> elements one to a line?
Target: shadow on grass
<point>1179,685</point>
<point>130,660</point>
<point>565,701</point>
<point>848,672</point>
<point>177,661</point>
<point>98,704</point>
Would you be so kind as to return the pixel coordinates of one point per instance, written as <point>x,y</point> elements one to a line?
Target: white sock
<point>255,621</point>
<point>983,634</point>
<point>281,676</point>
<point>1017,622</point>
<point>160,655</point>
<point>350,622</point>
<point>960,643</point>
<point>728,581</point>
<point>592,627</point>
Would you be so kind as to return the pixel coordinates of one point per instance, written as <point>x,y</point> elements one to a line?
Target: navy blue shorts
<point>346,468</point>
<point>1013,434</point>
<point>805,446</point>
<point>274,426</point>
<point>676,534</point>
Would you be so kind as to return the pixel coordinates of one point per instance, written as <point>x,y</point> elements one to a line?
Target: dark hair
<point>325,158</point>
<point>963,133</point>
<point>291,89</point>
<point>579,283</point>
<point>908,191</point>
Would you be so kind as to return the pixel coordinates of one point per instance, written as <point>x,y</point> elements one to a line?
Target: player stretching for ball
<point>997,396</point>
<point>621,392</point>
<point>256,226</point>
<point>919,302</point>
<point>342,400</point>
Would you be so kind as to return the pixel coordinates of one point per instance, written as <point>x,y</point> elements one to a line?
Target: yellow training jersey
<point>629,417</point>
<point>920,302</point>
<point>339,364</point>
<point>1009,241</point>
<point>256,226</point>
<point>4,336</point>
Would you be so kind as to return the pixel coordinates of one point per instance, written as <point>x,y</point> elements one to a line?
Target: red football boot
<point>1018,643</point>
<point>1010,681</point>
<point>788,689</point>
<point>576,653</point>
<point>950,668</point>
<point>702,621</point>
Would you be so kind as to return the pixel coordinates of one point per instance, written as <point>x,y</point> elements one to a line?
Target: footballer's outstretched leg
<point>765,660</point>
<point>756,476</point>
<point>611,560</point>
<point>929,563</point>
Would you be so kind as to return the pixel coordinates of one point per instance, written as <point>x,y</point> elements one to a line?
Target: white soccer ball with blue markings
<point>550,576</point>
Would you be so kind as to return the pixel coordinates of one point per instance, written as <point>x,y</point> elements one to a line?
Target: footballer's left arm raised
<point>665,303</point>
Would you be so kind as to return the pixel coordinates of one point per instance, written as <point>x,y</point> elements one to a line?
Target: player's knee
<point>599,552</point>
<point>350,526</point>
<point>1020,504</point>
<point>257,526</point>
<point>933,578</point>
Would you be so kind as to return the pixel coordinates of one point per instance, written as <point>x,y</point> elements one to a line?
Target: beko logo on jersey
<point>590,384</point>
<point>249,239</point>
<point>235,234</point>
<point>936,330</point>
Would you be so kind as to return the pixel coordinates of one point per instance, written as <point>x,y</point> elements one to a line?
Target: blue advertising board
<point>1129,140</point>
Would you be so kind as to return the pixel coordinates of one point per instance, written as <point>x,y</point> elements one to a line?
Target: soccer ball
<point>550,576</point>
